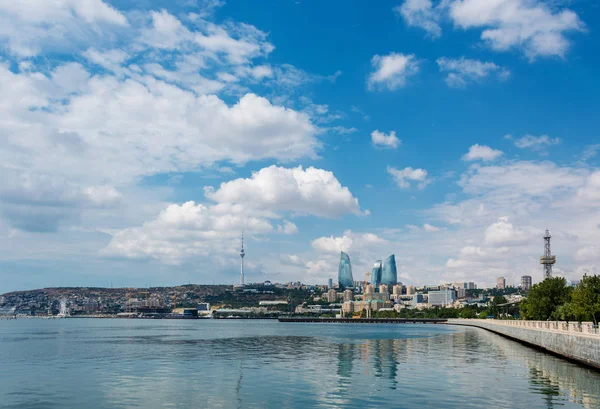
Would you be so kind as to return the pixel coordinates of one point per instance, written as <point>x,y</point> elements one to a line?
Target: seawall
<point>579,342</point>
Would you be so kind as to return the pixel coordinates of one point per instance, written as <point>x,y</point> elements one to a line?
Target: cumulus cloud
<point>481,152</point>
<point>588,253</point>
<point>404,177</point>
<point>430,228</point>
<point>287,228</point>
<point>421,13</point>
<point>194,229</point>
<point>28,27</point>
<point>463,71</point>
<point>382,140</point>
<point>301,191</point>
<point>392,71</point>
<point>40,202</point>
<point>523,177</point>
<point>157,128</point>
<point>530,26</point>
<point>183,231</point>
<point>503,233</point>
<point>535,143</point>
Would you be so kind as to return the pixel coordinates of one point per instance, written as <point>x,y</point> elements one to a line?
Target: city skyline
<point>135,151</point>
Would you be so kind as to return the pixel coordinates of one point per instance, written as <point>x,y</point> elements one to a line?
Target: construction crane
<point>147,294</point>
<point>362,303</point>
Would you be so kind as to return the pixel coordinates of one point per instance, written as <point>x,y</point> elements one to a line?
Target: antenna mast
<point>547,260</point>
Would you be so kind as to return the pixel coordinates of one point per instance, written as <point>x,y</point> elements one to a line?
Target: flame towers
<point>376,274</point>
<point>389,275</point>
<point>345,279</point>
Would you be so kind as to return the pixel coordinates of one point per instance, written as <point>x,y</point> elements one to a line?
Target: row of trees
<point>553,300</point>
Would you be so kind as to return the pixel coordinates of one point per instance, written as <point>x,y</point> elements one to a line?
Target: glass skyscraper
<point>345,272</point>
<point>376,274</point>
<point>389,275</point>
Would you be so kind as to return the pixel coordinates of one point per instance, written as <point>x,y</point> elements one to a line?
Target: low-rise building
<point>442,297</point>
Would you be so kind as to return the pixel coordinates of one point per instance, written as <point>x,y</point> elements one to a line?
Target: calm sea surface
<point>101,363</point>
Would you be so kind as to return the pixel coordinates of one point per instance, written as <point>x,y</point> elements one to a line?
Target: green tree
<point>585,300</point>
<point>493,305</point>
<point>468,313</point>
<point>545,298</point>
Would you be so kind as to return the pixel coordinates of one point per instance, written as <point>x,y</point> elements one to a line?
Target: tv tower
<point>547,260</point>
<point>242,254</point>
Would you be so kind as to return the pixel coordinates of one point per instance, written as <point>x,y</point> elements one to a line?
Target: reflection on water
<point>245,364</point>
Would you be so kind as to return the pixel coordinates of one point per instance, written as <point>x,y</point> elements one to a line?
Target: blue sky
<point>139,138</point>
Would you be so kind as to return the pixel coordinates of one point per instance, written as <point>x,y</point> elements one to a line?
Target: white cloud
<point>421,13</point>
<point>523,178</point>
<point>287,228</point>
<point>588,253</point>
<point>590,152</point>
<point>292,260</point>
<point>39,202</point>
<point>503,233</point>
<point>184,231</point>
<point>28,27</point>
<point>191,230</point>
<point>297,190</point>
<point>391,71</point>
<point>528,25</point>
<point>380,139</point>
<point>342,130</point>
<point>481,152</point>
<point>430,228</point>
<point>122,130</point>
<point>463,71</point>
<point>403,177</point>
<point>165,32</point>
<point>536,143</point>
<point>349,241</point>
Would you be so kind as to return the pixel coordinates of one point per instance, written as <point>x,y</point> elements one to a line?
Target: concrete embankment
<point>579,342</point>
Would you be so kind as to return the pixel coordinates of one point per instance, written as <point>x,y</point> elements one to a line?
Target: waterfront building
<point>417,299</point>
<point>500,283</point>
<point>348,295</point>
<point>526,283</point>
<point>397,290</point>
<point>345,272</point>
<point>203,306</point>
<point>357,306</point>
<point>466,285</point>
<point>376,296</point>
<point>376,274</point>
<point>265,303</point>
<point>442,297</point>
<point>389,274</point>
<point>383,288</point>
<point>410,290</point>
<point>331,295</point>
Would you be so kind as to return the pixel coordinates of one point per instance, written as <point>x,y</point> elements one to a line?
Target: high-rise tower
<point>547,260</point>
<point>242,254</point>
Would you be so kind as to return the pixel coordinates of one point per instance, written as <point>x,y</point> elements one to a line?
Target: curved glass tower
<point>345,272</point>
<point>389,275</point>
<point>376,274</point>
